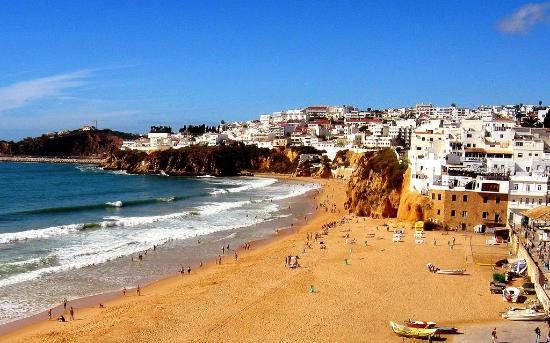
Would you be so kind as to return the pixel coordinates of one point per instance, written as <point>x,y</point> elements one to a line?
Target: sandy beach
<point>256,298</point>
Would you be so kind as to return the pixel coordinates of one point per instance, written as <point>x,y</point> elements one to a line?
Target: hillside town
<point>481,167</point>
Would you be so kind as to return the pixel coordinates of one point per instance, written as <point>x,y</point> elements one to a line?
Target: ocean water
<point>69,230</point>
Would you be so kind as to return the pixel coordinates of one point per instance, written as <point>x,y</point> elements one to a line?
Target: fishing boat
<point>419,324</point>
<point>524,314</point>
<point>511,294</point>
<point>451,271</point>
<point>445,330</point>
<point>405,331</point>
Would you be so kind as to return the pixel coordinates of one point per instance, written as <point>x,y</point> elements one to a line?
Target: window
<point>521,200</point>
<point>490,187</point>
<point>464,214</point>
<point>528,188</point>
<point>453,197</point>
<point>515,186</point>
<point>433,196</point>
<point>520,155</point>
<point>485,215</point>
<point>464,198</point>
<point>439,197</point>
<point>539,187</point>
<point>453,213</point>
<point>438,212</point>
<point>497,200</point>
<point>540,201</point>
<point>485,199</point>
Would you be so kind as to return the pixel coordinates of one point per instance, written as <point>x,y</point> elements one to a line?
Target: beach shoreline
<point>348,291</point>
<point>105,297</point>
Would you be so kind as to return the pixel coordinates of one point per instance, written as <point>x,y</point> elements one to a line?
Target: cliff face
<point>413,206</point>
<point>228,160</point>
<point>75,143</point>
<point>374,189</point>
<point>345,158</point>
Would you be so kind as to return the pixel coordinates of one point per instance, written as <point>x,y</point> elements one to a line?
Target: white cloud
<point>22,93</point>
<point>525,17</point>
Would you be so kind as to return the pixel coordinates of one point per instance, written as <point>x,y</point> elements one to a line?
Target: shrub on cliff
<point>75,143</point>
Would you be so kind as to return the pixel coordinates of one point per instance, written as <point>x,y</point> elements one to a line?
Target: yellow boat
<point>405,331</point>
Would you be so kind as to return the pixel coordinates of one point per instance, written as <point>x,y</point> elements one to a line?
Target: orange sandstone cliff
<point>379,188</point>
<point>374,189</point>
<point>413,206</point>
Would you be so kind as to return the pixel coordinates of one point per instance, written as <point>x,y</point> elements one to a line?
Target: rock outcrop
<point>226,160</point>
<point>71,144</point>
<point>413,206</point>
<point>374,189</point>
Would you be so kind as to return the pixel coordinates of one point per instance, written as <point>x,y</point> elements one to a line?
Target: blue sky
<point>134,64</point>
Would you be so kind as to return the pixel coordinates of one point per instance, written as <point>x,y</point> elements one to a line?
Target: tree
<point>547,120</point>
<point>540,103</point>
<point>453,105</point>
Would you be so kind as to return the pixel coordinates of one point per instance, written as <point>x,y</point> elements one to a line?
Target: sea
<point>71,231</point>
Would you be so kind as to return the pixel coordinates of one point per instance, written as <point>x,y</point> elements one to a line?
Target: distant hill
<point>76,143</point>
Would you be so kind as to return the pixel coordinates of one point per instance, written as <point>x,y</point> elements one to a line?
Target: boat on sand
<point>451,271</point>
<point>405,331</point>
<point>524,314</point>
<point>511,294</point>
<point>419,324</point>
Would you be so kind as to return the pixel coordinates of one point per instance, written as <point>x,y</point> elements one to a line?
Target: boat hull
<point>405,331</point>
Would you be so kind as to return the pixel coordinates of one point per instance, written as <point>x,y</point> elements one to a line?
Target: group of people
<point>62,318</point>
<point>182,270</point>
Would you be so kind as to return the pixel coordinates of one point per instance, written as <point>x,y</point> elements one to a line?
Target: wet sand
<point>256,298</point>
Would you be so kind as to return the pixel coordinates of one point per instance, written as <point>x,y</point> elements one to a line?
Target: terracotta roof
<point>364,120</point>
<point>538,213</point>
<point>489,151</point>
<point>320,122</point>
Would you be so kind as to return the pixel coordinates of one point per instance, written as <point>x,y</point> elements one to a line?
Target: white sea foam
<point>82,245</point>
<point>39,233</point>
<point>117,203</point>
<point>216,191</point>
<point>298,191</point>
<point>216,207</point>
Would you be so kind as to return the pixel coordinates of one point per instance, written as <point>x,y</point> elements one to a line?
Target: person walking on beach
<point>138,291</point>
<point>236,257</point>
<point>537,335</point>
<point>50,314</point>
<point>189,270</point>
<point>494,336</point>
<point>65,304</point>
<point>71,312</point>
<point>124,291</point>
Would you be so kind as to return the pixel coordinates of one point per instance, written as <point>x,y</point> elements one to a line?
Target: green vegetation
<point>498,277</point>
